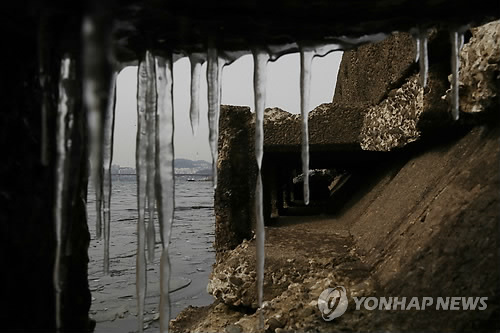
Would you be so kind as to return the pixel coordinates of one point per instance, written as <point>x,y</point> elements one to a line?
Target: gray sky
<point>237,89</point>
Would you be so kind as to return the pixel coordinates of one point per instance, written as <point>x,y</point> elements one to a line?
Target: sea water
<point>191,252</point>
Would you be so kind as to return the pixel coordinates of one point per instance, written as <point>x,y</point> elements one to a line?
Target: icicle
<point>424,61</point>
<point>141,171</point>
<point>214,71</point>
<point>221,63</point>
<point>109,127</point>
<point>456,45</point>
<point>63,143</point>
<point>165,182</point>
<point>97,76</point>
<point>417,52</point>
<point>260,239</point>
<point>260,59</point>
<point>305,86</point>
<point>43,80</point>
<point>421,56</point>
<point>45,134</point>
<point>150,153</point>
<point>196,60</point>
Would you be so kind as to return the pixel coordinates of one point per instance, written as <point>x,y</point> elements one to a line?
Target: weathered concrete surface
<point>383,80</point>
<point>331,127</point>
<point>237,170</point>
<point>368,73</point>
<point>242,25</point>
<point>409,112</point>
<point>439,216</point>
<point>426,224</point>
<point>379,106</point>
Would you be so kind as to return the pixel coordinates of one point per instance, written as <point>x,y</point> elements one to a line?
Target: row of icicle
<point>155,149</point>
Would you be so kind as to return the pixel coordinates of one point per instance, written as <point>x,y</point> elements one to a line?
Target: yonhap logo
<point>332,303</point>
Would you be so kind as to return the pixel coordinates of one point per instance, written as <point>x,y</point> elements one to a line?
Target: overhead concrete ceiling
<point>190,25</point>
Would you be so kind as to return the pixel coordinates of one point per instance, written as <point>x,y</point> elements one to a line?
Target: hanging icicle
<point>305,86</point>
<point>109,127</point>
<point>165,182</point>
<point>260,59</point>
<point>97,76</point>
<point>221,63</point>
<point>196,60</point>
<point>215,66</point>
<point>64,128</point>
<point>417,47</point>
<point>43,78</point>
<point>457,40</point>
<point>423,57</point>
<point>141,172</point>
<point>150,152</point>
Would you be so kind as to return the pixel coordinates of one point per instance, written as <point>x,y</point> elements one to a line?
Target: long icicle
<point>456,44</point>
<point>109,127</point>
<point>165,181</point>
<point>63,143</point>
<point>305,86</point>
<point>417,47</point>
<point>423,58</point>
<point>43,78</point>
<point>150,154</point>
<point>213,106</point>
<point>97,76</point>
<point>260,59</point>
<point>196,60</point>
<point>141,171</point>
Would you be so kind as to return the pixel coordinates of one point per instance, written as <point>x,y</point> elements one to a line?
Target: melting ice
<point>64,128</point>
<point>260,80</point>
<point>165,181</point>
<point>109,125</point>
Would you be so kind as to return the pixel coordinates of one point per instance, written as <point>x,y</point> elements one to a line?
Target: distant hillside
<point>185,163</point>
<point>181,165</point>
<point>185,166</point>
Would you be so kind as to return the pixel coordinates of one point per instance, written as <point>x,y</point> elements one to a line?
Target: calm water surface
<point>191,252</point>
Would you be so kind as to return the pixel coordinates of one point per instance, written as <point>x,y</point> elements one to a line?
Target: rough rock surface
<point>393,122</point>
<point>298,269</point>
<point>480,69</point>
<point>288,261</point>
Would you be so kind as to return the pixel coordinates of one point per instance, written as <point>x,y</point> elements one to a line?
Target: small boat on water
<point>194,179</point>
